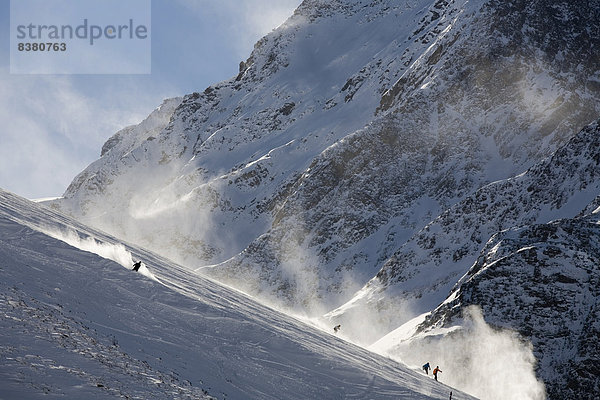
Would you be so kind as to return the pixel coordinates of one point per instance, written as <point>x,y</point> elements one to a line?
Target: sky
<point>53,126</point>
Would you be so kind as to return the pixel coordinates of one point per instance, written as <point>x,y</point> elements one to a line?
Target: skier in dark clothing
<point>337,328</point>
<point>426,368</point>
<point>137,265</point>
<point>435,372</point>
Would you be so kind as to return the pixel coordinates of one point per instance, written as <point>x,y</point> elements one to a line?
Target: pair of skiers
<point>427,367</point>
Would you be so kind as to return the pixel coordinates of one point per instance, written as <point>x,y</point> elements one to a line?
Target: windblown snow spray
<point>114,252</point>
<point>476,358</point>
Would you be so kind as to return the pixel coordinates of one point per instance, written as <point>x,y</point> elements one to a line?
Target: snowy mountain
<point>78,323</point>
<point>364,155</point>
<point>452,122</point>
<point>424,270</point>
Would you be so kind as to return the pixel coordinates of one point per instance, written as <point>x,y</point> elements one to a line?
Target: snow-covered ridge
<point>132,136</point>
<point>455,121</point>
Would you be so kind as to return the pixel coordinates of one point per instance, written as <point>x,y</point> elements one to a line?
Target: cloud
<point>52,128</point>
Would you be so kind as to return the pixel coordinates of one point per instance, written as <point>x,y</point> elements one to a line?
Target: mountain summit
<point>344,169</point>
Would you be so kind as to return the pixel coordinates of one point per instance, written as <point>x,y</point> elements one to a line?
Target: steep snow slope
<point>78,325</point>
<point>118,149</point>
<point>346,131</point>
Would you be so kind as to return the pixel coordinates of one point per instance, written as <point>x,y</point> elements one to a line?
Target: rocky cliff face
<point>429,264</point>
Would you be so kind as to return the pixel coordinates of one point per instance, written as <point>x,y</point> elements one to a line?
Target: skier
<point>337,328</point>
<point>435,372</point>
<point>426,368</point>
<point>137,265</point>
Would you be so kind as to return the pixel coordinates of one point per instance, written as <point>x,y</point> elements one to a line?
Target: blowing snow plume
<point>486,362</point>
<point>114,252</point>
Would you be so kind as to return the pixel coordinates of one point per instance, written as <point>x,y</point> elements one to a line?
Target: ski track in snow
<point>76,325</point>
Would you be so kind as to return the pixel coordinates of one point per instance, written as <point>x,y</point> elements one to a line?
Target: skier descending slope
<point>137,265</point>
<point>142,268</point>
